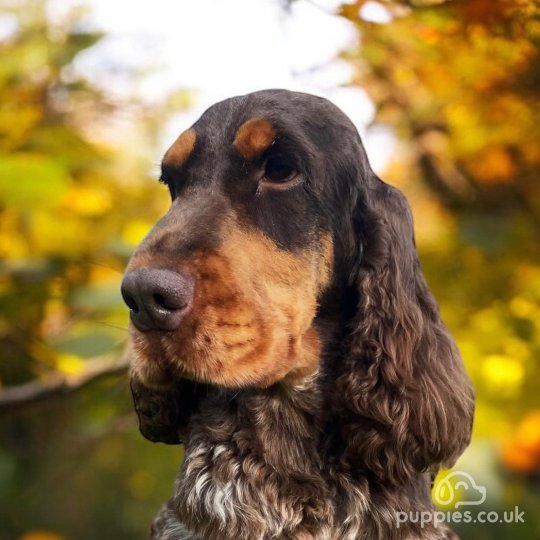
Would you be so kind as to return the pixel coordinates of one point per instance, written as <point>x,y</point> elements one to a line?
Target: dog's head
<point>225,288</point>
<point>277,223</point>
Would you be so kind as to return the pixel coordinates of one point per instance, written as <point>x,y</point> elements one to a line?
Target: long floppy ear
<point>164,413</point>
<point>404,400</point>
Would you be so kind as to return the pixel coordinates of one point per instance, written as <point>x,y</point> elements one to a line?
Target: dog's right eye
<point>280,173</point>
<point>278,169</point>
<point>169,182</point>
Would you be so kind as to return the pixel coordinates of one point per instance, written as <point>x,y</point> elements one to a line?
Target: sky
<point>221,48</point>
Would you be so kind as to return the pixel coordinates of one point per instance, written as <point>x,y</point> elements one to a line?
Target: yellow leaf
<point>521,307</point>
<point>13,245</point>
<point>70,364</point>
<point>87,201</point>
<point>135,231</point>
<point>60,234</point>
<point>503,374</point>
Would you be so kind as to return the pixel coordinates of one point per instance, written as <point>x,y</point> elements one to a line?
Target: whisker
<point>106,266</point>
<point>111,325</point>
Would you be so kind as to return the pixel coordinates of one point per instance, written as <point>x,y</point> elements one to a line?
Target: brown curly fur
<point>314,385</point>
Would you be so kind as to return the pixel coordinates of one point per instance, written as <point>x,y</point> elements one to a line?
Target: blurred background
<point>446,95</point>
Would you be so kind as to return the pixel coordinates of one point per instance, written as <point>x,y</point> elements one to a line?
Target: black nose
<point>158,299</point>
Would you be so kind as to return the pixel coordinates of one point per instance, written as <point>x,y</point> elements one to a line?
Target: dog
<point>282,330</point>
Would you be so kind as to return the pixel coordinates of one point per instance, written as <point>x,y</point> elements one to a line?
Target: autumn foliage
<point>457,82</point>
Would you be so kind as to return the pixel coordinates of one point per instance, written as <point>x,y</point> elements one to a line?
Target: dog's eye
<point>169,182</point>
<point>279,170</point>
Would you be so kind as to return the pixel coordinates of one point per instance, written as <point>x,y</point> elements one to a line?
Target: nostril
<point>165,303</point>
<point>159,299</point>
<point>131,303</point>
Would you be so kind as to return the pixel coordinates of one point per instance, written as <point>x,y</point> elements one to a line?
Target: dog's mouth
<point>249,350</point>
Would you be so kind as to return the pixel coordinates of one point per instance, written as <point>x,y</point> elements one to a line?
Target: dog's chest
<point>254,470</point>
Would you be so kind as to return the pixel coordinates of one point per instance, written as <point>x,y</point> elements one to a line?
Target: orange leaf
<point>41,535</point>
<point>493,166</point>
<point>518,459</point>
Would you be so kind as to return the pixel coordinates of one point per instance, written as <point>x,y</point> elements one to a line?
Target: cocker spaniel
<point>282,330</point>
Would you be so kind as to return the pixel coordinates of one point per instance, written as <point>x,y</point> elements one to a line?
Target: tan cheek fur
<point>252,319</point>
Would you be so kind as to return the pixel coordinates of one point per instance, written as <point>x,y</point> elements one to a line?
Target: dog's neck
<point>279,423</point>
<point>253,460</point>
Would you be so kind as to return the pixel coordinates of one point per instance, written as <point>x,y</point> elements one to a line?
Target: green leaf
<point>31,181</point>
<point>89,344</point>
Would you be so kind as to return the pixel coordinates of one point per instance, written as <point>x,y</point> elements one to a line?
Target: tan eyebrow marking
<point>181,149</point>
<point>254,137</point>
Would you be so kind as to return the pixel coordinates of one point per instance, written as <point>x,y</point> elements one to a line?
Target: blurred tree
<point>459,82</point>
<point>62,248</point>
<point>75,198</point>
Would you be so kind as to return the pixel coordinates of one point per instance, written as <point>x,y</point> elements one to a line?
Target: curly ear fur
<point>164,413</point>
<point>405,401</point>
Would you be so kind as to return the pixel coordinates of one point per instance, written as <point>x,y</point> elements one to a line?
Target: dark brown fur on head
<point>313,382</point>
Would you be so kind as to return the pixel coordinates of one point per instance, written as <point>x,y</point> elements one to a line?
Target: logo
<point>446,490</point>
<point>450,491</point>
